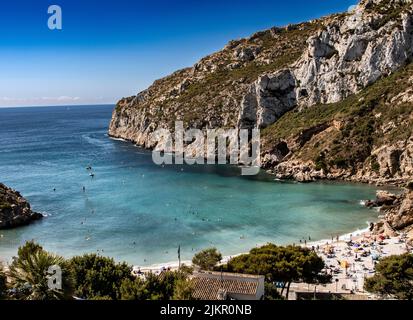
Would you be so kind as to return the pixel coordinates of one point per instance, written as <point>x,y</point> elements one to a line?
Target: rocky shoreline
<point>306,172</point>
<point>331,96</point>
<point>15,210</point>
<point>396,213</point>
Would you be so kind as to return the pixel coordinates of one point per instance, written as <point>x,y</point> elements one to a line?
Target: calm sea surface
<point>136,211</point>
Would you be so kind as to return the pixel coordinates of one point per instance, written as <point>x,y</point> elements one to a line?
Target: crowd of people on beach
<point>350,260</point>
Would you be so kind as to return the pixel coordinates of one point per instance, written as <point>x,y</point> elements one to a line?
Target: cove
<point>136,211</point>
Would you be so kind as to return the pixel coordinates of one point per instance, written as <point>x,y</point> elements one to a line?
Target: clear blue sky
<point>109,49</point>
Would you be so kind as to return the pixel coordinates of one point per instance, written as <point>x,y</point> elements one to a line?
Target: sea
<point>126,207</point>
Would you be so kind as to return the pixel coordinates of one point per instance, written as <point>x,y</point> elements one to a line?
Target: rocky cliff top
<point>14,209</point>
<point>324,92</point>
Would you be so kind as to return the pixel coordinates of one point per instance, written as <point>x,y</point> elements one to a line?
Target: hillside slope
<point>332,96</point>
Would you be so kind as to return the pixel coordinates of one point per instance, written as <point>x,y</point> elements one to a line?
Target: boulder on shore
<point>383,198</point>
<point>397,210</point>
<point>15,211</point>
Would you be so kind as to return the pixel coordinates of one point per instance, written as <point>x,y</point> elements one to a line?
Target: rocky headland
<point>15,211</point>
<point>396,213</point>
<point>333,97</point>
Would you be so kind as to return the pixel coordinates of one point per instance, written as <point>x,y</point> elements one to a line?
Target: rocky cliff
<point>14,209</point>
<point>332,96</point>
<point>397,213</point>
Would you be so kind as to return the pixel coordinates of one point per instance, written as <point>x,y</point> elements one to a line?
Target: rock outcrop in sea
<point>15,211</point>
<point>332,96</point>
<point>396,211</point>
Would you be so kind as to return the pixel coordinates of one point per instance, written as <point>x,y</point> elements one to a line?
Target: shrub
<point>97,276</point>
<point>3,283</point>
<point>393,278</point>
<point>30,274</point>
<point>207,259</point>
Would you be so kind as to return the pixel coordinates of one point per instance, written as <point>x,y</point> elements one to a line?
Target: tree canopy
<point>207,259</point>
<point>394,277</point>
<point>169,285</point>
<point>97,276</point>
<point>32,270</point>
<point>281,264</point>
<point>3,282</point>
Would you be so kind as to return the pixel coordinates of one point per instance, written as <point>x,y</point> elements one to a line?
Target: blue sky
<point>110,49</point>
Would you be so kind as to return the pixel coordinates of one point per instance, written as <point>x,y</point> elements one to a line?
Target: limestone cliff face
<point>346,55</point>
<point>352,53</point>
<point>210,94</point>
<point>266,80</point>
<point>14,209</point>
<point>397,213</point>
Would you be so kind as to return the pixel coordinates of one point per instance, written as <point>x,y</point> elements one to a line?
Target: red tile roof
<point>208,286</point>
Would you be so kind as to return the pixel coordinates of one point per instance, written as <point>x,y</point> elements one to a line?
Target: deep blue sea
<point>136,211</point>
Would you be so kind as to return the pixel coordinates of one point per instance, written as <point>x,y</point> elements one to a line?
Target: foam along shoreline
<point>173,265</point>
<point>117,139</point>
<point>350,260</point>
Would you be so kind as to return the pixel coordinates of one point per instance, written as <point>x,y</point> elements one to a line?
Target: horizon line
<point>60,105</point>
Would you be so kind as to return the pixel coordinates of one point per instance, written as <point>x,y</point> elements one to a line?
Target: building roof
<point>217,286</point>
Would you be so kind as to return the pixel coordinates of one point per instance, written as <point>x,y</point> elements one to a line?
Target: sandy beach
<point>352,258</point>
<point>349,258</point>
<point>173,265</point>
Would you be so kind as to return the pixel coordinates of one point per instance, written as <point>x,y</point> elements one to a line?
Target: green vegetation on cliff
<point>380,114</point>
<point>217,83</point>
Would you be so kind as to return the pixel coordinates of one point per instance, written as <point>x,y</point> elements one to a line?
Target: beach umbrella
<point>345,264</point>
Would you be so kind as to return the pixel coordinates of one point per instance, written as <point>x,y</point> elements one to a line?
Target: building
<point>227,286</point>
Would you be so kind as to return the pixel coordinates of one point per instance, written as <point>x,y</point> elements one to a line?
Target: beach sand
<point>350,259</point>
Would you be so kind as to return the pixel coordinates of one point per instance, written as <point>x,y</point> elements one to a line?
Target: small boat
<point>91,174</point>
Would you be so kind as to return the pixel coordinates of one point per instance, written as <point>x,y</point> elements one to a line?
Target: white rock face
<point>228,88</point>
<point>351,54</point>
<point>268,99</point>
<point>396,160</point>
<point>344,58</point>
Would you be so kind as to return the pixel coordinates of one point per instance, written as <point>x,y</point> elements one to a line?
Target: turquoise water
<point>136,211</point>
